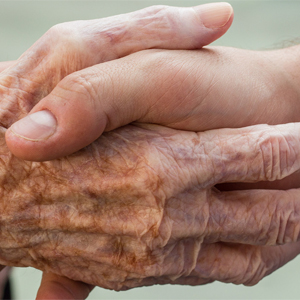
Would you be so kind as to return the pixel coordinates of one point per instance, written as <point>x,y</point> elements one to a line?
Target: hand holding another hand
<point>179,216</point>
<point>49,66</point>
<point>56,53</point>
<point>188,90</point>
<point>139,207</point>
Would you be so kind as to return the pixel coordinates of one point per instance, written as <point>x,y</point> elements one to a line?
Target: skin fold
<point>139,207</point>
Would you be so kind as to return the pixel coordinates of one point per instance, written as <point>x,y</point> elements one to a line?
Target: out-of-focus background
<point>258,25</point>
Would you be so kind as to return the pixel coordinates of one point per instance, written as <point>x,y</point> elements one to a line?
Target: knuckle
<point>20,97</point>
<point>164,15</point>
<point>61,29</point>
<point>83,85</point>
<point>54,33</point>
<point>277,153</point>
<point>278,218</point>
<point>67,38</point>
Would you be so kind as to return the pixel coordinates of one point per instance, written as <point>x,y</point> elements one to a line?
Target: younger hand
<point>70,47</point>
<point>190,90</point>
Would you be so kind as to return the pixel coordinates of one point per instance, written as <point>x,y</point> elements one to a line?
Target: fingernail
<point>215,15</point>
<point>35,127</point>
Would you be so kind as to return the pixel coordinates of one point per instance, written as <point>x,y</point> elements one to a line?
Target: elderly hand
<point>139,207</point>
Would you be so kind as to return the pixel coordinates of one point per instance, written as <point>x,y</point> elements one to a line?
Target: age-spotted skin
<point>139,207</point>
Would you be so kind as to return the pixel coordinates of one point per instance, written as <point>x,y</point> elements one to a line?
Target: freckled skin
<point>139,207</point>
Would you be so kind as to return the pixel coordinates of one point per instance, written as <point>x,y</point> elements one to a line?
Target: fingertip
<point>27,138</point>
<point>36,127</point>
<point>215,15</point>
<point>30,150</point>
<point>215,19</point>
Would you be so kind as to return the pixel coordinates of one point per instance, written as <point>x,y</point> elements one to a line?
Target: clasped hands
<point>121,206</point>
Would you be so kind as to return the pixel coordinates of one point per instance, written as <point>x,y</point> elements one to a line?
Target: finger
<point>73,46</point>
<point>256,217</point>
<point>57,287</point>
<point>4,277</point>
<point>229,263</point>
<point>252,154</point>
<point>242,264</point>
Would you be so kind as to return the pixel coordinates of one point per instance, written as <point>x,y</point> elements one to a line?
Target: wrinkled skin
<point>159,239</point>
<point>138,207</point>
<point>191,90</point>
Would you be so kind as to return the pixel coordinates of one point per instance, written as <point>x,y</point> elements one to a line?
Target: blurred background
<point>258,25</point>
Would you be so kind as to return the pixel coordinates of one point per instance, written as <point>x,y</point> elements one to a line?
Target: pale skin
<point>199,97</point>
<point>70,47</point>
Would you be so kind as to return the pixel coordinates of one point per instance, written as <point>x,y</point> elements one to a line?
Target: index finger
<point>251,154</point>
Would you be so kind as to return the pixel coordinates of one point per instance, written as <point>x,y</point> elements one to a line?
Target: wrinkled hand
<point>54,286</point>
<point>138,207</point>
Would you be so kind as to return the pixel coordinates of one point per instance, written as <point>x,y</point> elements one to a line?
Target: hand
<point>70,47</point>
<point>33,63</point>
<point>122,211</point>
<point>190,90</point>
<point>53,286</point>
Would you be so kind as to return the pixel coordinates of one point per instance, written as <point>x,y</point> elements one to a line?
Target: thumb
<point>68,118</point>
